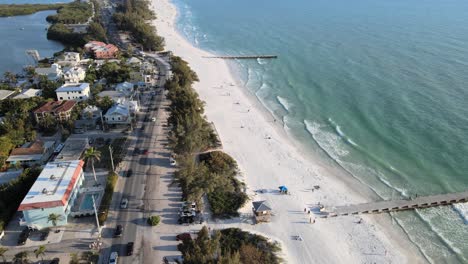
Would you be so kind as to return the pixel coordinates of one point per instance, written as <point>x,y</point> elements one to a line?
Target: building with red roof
<point>59,110</point>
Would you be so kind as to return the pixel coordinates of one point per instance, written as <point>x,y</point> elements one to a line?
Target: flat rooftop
<point>72,150</point>
<point>53,186</point>
<point>73,87</point>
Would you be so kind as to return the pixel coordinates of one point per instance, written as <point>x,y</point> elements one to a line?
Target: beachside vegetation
<point>231,245</point>
<point>26,9</point>
<point>132,16</point>
<point>211,173</point>
<point>114,72</point>
<point>13,192</point>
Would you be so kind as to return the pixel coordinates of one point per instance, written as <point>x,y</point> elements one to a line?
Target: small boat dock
<point>399,205</point>
<point>243,57</point>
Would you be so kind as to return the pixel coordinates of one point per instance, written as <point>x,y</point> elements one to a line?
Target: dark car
<point>24,236</point>
<point>45,235</point>
<point>184,237</point>
<point>136,151</point>
<point>129,248</point>
<point>55,261</point>
<point>145,152</point>
<point>118,231</point>
<point>129,173</point>
<point>185,220</point>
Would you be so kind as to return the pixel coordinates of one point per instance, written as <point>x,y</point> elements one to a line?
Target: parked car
<point>118,231</point>
<point>173,162</point>
<point>124,203</point>
<point>113,258</point>
<point>23,237</point>
<point>44,234</point>
<point>184,237</point>
<point>136,151</point>
<point>146,152</point>
<point>129,173</point>
<point>55,261</point>
<point>129,248</point>
<point>153,119</point>
<point>185,220</point>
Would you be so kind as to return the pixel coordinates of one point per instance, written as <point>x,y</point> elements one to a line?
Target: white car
<point>113,258</point>
<point>173,162</point>
<point>124,203</point>
<point>153,119</point>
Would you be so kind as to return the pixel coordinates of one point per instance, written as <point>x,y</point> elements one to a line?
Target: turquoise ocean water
<point>376,87</point>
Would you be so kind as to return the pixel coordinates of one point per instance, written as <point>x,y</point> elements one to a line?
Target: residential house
<point>101,50</point>
<point>59,110</point>
<point>4,94</point>
<point>53,192</point>
<point>90,118</point>
<point>28,93</point>
<point>74,75</point>
<point>133,106</point>
<point>74,91</point>
<point>134,61</point>
<point>53,73</point>
<point>118,114</point>
<point>32,153</point>
<point>126,88</point>
<point>114,95</point>
<point>69,59</point>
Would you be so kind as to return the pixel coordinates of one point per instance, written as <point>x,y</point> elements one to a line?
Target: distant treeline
<point>26,9</point>
<point>76,13</point>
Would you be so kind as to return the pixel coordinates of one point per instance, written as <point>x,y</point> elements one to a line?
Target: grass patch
<point>107,197</point>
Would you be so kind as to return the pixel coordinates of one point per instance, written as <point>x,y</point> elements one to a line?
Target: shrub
<point>107,197</point>
<point>154,220</point>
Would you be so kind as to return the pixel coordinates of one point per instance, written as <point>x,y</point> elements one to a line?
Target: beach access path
<point>268,159</point>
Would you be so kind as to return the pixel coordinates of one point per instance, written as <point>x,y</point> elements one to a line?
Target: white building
<point>74,75</point>
<point>132,106</point>
<point>118,114</point>
<point>126,88</point>
<point>28,93</point>
<point>69,59</point>
<point>53,73</point>
<point>74,91</point>
<point>54,192</point>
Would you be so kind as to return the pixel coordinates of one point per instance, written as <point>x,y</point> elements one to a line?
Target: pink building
<point>101,50</point>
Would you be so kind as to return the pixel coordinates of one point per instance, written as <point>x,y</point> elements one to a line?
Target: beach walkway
<point>399,205</point>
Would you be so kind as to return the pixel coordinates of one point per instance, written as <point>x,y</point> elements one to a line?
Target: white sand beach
<point>268,158</point>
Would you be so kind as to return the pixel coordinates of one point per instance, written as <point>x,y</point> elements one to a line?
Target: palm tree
<point>93,154</point>
<point>2,253</point>
<point>21,257</point>
<point>54,218</point>
<point>40,251</point>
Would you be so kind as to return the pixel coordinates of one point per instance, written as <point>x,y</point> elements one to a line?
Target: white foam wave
<point>341,133</point>
<point>329,142</point>
<point>462,210</point>
<point>262,61</point>
<point>400,190</point>
<point>284,102</point>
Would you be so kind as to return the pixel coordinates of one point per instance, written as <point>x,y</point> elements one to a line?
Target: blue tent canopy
<point>283,188</point>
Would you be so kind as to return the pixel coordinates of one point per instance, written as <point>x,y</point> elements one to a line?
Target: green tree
<point>104,103</point>
<point>40,251</point>
<point>97,32</point>
<point>48,87</point>
<point>21,257</point>
<point>92,154</point>
<point>74,259</point>
<point>2,253</point>
<point>54,218</point>
<point>48,124</point>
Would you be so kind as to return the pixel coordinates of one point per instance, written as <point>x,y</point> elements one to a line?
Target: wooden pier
<point>398,205</point>
<point>243,57</point>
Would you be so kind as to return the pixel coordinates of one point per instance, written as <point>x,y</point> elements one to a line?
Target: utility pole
<point>102,121</point>
<point>112,159</point>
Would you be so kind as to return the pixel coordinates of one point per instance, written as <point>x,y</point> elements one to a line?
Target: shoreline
<point>252,122</point>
